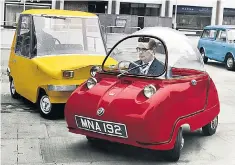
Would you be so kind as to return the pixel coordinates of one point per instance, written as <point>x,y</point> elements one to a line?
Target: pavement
<point>28,139</point>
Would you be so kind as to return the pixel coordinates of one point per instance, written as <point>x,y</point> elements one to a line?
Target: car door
<point>220,46</point>
<point>22,59</point>
<point>193,93</point>
<point>209,48</point>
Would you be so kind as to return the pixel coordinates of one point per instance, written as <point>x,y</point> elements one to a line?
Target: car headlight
<point>149,90</point>
<point>68,73</point>
<point>91,82</point>
<point>94,70</point>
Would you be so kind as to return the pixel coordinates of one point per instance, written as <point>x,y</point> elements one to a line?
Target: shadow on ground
<point>116,151</point>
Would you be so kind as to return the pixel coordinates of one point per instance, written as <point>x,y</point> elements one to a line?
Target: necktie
<point>144,68</point>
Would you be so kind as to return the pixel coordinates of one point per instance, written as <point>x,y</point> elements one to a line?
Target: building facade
<point>190,13</point>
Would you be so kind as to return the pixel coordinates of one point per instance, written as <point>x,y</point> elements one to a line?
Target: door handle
<point>14,60</point>
<point>194,82</point>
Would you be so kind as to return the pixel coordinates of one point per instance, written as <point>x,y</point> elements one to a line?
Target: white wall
<point>2,11</point>
<point>202,3</point>
<point>144,1</point>
<point>229,3</point>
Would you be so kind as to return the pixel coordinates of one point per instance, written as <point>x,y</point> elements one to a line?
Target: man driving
<point>147,50</point>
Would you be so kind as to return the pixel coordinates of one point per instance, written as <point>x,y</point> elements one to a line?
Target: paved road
<point>28,139</point>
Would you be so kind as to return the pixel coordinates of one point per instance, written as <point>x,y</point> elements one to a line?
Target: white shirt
<point>146,69</point>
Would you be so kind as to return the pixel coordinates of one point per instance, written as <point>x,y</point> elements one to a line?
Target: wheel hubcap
<point>182,143</point>
<point>214,123</point>
<point>203,54</point>
<point>230,62</point>
<point>45,104</point>
<point>13,90</point>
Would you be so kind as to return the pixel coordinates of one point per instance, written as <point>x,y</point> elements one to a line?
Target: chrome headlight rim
<point>94,70</point>
<point>91,82</point>
<point>149,90</point>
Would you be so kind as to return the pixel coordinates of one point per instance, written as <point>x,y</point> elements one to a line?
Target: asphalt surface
<point>28,139</point>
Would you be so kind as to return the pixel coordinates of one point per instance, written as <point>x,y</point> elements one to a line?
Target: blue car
<point>218,43</point>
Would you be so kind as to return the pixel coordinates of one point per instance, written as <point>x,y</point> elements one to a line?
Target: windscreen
<point>56,35</point>
<point>138,56</point>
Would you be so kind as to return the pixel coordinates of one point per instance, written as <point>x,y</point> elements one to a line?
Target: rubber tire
<point>52,114</point>
<point>174,154</point>
<point>13,95</point>
<point>90,139</point>
<point>205,59</point>
<point>207,130</point>
<point>233,67</point>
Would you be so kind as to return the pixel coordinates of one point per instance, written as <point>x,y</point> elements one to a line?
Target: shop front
<point>192,17</point>
<point>229,16</point>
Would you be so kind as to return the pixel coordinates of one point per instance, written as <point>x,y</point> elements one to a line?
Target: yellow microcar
<point>52,53</point>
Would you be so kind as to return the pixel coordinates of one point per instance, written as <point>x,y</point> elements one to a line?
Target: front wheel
<point>13,92</point>
<point>46,108</point>
<point>205,59</point>
<point>230,64</point>
<point>174,154</point>
<point>211,127</point>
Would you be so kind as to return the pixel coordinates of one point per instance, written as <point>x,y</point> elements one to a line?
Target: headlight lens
<point>68,74</point>
<point>94,70</point>
<point>91,82</point>
<point>149,91</point>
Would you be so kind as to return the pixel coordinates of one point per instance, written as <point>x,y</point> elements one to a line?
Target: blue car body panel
<point>216,49</point>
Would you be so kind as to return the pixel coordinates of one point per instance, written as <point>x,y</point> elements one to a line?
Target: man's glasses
<point>141,49</point>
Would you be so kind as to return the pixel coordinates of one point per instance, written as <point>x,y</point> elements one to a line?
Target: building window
<point>229,15</point>
<point>140,9</point>
<point>98,7</point>
<point>192,17</point>
<point>13,10</point>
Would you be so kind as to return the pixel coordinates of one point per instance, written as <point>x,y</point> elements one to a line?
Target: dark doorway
<point>141,22</point>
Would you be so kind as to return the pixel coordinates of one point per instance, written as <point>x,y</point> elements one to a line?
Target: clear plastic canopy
<point>153,52</point>
<point>181,52</point>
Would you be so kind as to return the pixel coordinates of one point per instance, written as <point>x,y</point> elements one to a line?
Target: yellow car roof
<point>59,12</point>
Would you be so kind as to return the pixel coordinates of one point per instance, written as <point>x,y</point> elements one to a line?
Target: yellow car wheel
<point>13,92</point>
<point>45,107</point>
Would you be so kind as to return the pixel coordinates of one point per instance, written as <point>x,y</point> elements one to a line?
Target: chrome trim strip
<point>62,88</point>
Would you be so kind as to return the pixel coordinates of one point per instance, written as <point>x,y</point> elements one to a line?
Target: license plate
<point>102,127</point>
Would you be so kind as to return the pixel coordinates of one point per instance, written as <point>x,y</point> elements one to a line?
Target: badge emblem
<point>100,111</point>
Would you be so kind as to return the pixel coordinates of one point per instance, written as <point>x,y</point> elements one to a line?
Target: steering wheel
<point>120,70</point>
<point>56,39</point>
<point>52,47</point>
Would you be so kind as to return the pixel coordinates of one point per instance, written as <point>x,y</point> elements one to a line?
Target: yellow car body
<point>56,75</point>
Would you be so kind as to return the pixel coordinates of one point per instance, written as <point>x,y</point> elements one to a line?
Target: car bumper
<point>58,97</point>
<point>140,136</point>
<point>160,146</point>
<point>60,93</point>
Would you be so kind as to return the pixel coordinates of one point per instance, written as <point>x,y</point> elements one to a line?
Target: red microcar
<point>156,85</point>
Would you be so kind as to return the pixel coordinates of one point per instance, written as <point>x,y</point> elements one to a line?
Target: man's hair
<point>151,42</point>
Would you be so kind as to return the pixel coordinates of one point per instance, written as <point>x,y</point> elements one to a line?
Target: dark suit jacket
<point>155,69</point>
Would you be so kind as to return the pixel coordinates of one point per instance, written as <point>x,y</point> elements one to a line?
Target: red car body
<point>153,122</point>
